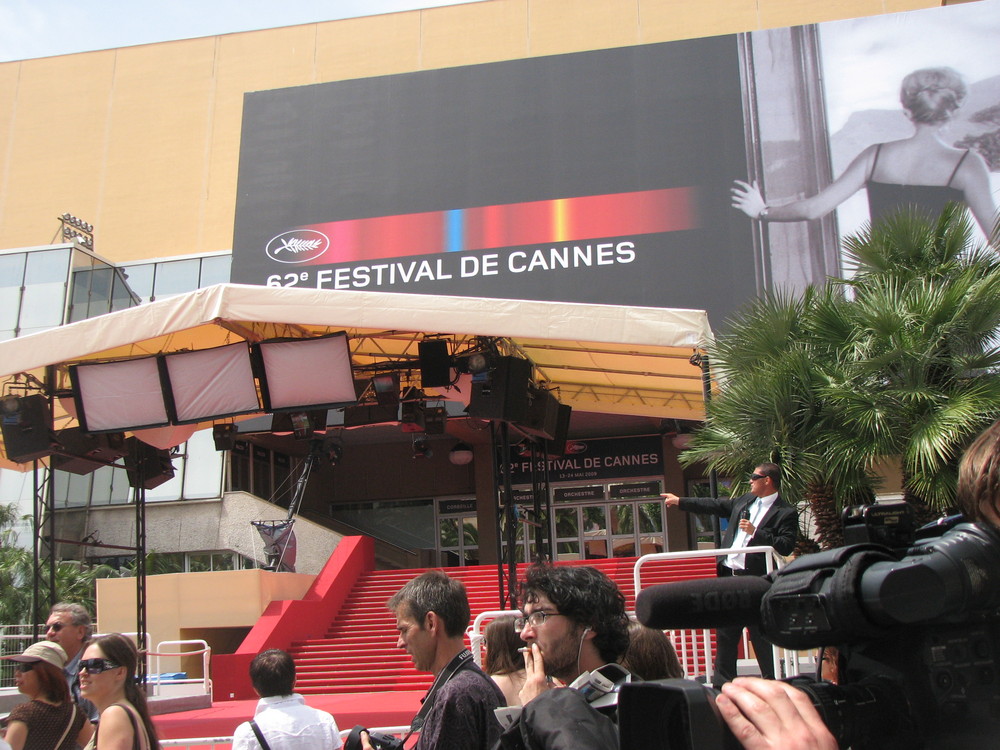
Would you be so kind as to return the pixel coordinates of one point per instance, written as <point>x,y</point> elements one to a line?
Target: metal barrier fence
<point>13,640</point>
<point>223,743</point>
<point>695,646</point>
<point>477,634</point>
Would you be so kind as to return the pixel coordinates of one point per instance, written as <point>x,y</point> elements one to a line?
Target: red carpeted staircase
<point>359,654</point>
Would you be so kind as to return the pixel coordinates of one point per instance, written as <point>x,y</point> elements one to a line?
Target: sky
<point>42,28</point>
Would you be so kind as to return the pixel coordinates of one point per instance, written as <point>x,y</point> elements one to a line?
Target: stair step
<point>358,651</point>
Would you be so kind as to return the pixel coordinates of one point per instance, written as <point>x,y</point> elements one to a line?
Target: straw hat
<point>46,651</point>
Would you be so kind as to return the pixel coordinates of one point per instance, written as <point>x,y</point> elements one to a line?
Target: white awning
<point>598,358</point>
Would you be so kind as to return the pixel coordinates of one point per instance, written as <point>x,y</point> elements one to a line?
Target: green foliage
<point>901,360</point>
<point>74,582</point>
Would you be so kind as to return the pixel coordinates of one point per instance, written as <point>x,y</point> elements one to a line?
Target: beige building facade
<point>143,142</point>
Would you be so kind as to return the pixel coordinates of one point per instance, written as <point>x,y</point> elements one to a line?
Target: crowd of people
<point>82,691</point>
<point>572,625</point>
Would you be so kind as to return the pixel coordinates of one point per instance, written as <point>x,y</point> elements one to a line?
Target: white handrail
<point>206,657</point>
<point>476,635</point>
<point>772,561</point>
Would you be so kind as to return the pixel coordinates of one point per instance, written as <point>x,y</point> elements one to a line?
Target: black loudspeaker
<point>543,414</point>
<point>556,445</point>
<point>147,466</point>
<point>27,428</point>
<point>435,363</point>
<point>79,453</point>
<point>224,436</point>
<point>504,397</point>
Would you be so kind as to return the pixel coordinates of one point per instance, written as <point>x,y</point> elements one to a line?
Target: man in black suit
<point>759,518</point>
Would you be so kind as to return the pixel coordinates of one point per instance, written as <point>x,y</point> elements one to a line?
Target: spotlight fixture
<point>332,450</point>
<point>224,436</point>
<point>479,364</point>
<point>421,448</point>
<point>523,449</point>
<point>302,424</point>
<point>10,405</point>
<point>386,387</point>
<point>461,454</point>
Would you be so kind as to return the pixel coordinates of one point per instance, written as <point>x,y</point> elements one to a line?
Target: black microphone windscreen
<point>702,603</point>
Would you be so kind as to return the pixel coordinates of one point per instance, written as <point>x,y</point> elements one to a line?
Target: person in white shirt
<point>282,718</point>
<point>758,518</point>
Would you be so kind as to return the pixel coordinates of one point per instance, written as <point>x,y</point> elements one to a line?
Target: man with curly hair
<point>573,622</point>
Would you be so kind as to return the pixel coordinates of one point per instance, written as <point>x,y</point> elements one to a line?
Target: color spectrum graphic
<point>512,225</point>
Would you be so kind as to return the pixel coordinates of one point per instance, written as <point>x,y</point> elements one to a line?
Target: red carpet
<point>394,708</point>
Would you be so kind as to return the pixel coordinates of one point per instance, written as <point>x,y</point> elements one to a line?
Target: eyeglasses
<point>96,666</point>
<point>23,666</point>
<point>755,477</point>
<point>56,627</point>
<point>534,619</point>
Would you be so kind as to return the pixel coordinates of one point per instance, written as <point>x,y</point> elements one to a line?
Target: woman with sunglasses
<point>107,679</point>
<point>50,720</point>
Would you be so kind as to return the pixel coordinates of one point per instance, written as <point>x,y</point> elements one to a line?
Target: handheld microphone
<point>702,603</point>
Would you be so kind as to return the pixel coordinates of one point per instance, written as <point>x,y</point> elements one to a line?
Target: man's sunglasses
<point>96,666</point>
<point>56,627</point>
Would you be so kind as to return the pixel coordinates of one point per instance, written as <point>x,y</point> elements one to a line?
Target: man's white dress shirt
<point>287,723</point>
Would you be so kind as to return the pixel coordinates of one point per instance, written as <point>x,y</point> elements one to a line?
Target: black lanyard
<point>458,661</point>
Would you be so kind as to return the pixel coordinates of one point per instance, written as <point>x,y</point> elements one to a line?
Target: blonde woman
<point>922,171</point>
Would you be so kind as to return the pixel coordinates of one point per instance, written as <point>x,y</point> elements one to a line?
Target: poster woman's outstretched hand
<point>747,198</point>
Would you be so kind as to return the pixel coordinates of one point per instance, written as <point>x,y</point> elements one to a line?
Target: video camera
<point>917,626</point>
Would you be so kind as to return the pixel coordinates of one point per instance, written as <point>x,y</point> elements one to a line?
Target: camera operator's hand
<point>536,681</point>
<point>365,744</point>
<point>765,714</point>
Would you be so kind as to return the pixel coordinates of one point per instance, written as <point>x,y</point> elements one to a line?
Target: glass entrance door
<point>611,528</point>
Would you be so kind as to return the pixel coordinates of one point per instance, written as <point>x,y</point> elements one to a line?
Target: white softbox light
<point>301,374</point>
<point>119,396</point>
<point>210,383</point>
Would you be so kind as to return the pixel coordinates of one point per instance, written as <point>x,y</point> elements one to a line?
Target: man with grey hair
<point>70,626</point>
<point>432,613</point>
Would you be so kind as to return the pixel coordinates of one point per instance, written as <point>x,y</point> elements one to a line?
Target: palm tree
<point>75,582</point>
<point>924,373</point>
<point>900,361</point>
<point>775,366</point>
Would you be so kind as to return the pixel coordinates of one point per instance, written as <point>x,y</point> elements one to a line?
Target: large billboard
<point>608,176</point>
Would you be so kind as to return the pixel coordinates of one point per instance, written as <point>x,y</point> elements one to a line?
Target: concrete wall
<point>200,525</point>
<point>218,607</point>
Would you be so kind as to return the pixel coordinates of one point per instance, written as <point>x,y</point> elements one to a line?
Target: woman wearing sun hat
<point>50,720</point>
